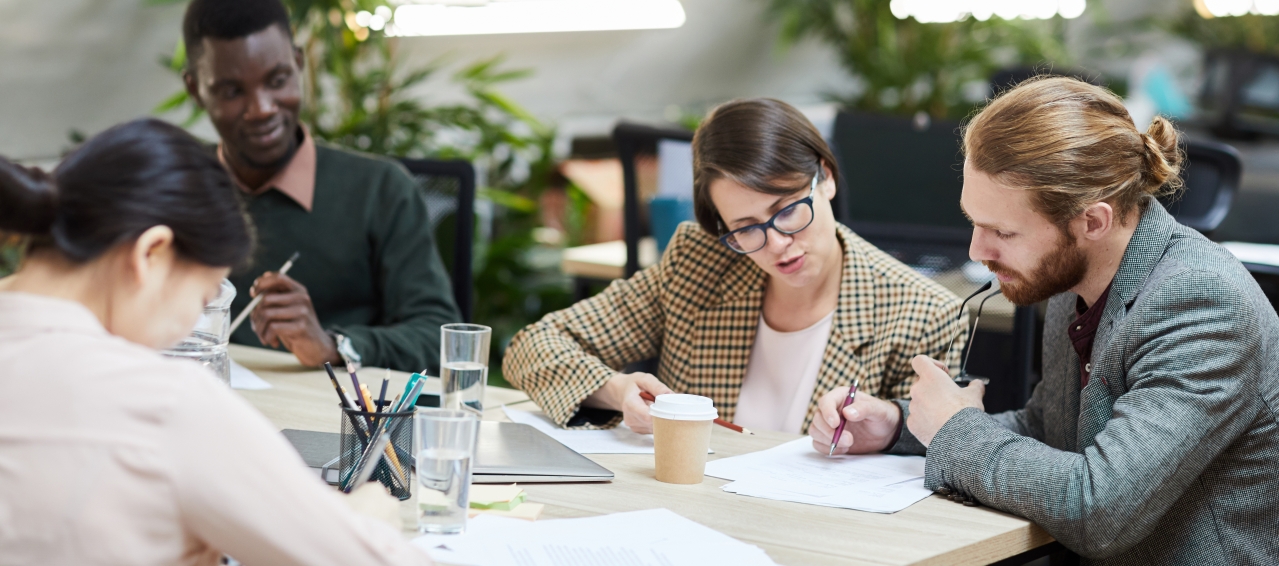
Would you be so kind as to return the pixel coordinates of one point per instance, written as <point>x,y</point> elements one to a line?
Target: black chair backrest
<point>1211,174</point>
<point>633,140</point>
<point>901,182</point>
<point>448,186</point>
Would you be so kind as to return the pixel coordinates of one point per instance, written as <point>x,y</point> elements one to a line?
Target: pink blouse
<point>112,454</point>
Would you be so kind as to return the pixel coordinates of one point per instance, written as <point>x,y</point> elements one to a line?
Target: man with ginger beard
<point>1153,436</point>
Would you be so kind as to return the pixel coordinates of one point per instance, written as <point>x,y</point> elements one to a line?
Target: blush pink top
<point>112,454</point>
<point>781,376</point>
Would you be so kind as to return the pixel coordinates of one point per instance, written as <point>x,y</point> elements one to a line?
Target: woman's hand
<point>622,393</point>
<point>872,423</point>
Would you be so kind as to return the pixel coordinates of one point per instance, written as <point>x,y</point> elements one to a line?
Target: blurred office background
<point>574,115</point>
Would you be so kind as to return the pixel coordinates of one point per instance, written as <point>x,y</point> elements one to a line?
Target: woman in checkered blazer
<point>764,305</point>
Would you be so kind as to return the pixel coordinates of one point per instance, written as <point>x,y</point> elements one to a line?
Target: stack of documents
<point>794,471</point>
<point>656,537</point>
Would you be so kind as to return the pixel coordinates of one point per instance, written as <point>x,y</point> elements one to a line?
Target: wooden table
<point>933,531</point>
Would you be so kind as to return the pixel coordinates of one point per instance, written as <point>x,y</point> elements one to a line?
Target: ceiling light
<point>532,16</point>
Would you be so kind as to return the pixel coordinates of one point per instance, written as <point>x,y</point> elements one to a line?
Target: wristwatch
<point>346,350</point>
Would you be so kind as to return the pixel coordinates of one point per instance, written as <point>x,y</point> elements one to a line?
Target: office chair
<point>633,140</point>
<point>1211,175</point>
<point>448,186</point>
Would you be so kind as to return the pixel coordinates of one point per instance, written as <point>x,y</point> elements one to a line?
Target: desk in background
<point>933,531</point>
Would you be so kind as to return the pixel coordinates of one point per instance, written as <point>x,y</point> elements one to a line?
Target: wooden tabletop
<point>933,531</point>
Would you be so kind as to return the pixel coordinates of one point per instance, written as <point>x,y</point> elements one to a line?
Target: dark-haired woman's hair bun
<point>122,182</point>
<point>28,203</point>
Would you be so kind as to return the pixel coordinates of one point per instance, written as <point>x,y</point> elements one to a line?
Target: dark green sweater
<point>368,259</point>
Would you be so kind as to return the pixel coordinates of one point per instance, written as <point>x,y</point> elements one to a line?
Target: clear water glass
<point>464,355</point>
<point>445,447</point>
<point>208,341</point>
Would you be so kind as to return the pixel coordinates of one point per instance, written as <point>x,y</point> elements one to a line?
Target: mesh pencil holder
<point>394,469</point>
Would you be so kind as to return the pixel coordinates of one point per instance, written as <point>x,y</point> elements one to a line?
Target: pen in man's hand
<point>284,270</point>
<point>852,393</point>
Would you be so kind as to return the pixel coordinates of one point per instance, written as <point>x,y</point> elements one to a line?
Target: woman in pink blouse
<point>110,453</point>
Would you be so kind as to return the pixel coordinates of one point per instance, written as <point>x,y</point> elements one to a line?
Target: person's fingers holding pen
<point>286,316</point>
<point>274,282</point>
<point>634,407</point>
<point>276,306</point>
<point>871,423</point>
<point>827,420</point>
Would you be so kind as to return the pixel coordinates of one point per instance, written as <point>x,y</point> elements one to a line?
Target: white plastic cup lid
<point>681,407</point>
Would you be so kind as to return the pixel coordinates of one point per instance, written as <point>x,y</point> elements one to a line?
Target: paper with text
<point>656,537</point>
<point>795,472</point>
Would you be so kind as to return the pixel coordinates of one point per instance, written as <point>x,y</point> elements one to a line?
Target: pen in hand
<point>284,270</point>
<point>852,393</point>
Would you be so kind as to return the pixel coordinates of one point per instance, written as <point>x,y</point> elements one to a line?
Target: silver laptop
<point>513,452</point>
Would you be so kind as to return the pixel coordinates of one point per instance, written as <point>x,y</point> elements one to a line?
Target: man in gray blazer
<point>1153,437</point>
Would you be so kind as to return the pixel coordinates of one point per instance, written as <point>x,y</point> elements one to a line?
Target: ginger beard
<point>1060,269</point>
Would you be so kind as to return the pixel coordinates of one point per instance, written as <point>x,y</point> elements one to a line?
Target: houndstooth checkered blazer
<point>698,309</point>
<point>1170,454</point>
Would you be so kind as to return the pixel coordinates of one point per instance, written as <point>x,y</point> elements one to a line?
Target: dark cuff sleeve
<point>905,442</point>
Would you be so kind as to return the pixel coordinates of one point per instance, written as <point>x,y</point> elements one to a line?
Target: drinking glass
<point>445,447</point>
<point>464,355</point>
<point>207,343</point>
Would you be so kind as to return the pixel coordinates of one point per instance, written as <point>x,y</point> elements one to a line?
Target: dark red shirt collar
<point>1083,330</point>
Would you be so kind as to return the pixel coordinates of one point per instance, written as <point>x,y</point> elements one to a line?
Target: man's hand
<point>871,424</point>
<point>622,393</point>
<point>286,317</point>
<point>935,398</point>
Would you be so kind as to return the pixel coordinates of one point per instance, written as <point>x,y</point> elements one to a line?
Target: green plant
<point>905,66</point>
<point>360,95</point>
<point>1259,34</point>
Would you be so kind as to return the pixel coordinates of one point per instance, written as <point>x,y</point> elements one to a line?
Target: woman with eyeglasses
<point>766,305</point>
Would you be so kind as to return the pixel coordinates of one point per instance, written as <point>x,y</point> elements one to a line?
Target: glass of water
<point>207,343</point>
<point>464,356</point>
<point>445,446</point>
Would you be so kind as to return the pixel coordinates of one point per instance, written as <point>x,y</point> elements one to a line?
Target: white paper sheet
<point>656,537</point>
<point>794,471</point>
<point>244,378</point>
<point>620,440</point>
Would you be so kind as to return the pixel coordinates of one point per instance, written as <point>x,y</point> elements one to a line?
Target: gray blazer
<point>1170,455</point>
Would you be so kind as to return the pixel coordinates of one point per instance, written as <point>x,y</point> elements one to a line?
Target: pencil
<point>721,422</point>
<point>345,401</point>
<point>284,269</point>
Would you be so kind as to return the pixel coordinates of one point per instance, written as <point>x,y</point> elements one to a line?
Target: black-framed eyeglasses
<point>790,220</point>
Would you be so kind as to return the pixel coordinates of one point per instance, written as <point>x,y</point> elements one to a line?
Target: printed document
<point>795,472</point>
<point>656,537</point>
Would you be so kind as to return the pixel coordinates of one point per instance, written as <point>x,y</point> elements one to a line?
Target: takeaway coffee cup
<point>681,436</point>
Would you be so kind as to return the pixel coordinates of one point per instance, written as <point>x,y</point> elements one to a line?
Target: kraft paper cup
<point>681,436</point>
